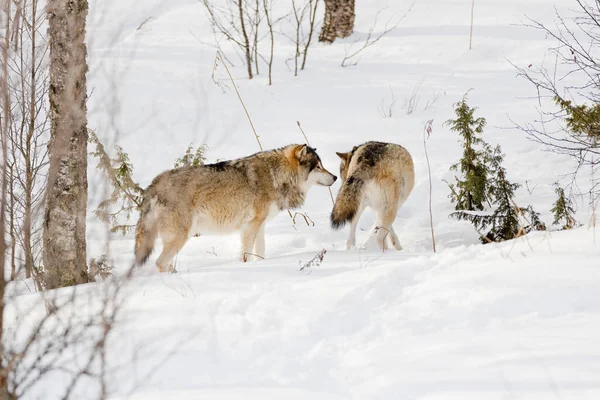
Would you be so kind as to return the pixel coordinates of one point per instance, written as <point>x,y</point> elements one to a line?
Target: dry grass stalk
<point>220,58</point>
<point>426,134</point>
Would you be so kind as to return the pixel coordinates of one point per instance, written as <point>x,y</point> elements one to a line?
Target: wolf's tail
<point>146,231</point>
<point>347,202</point>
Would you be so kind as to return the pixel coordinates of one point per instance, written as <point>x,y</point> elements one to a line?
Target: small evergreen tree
<point>562,209</point>
<point>484,182</point>
<point>191,157</point>
<point>504,220</point>
<point>471,191</point>
<point>582,120</point>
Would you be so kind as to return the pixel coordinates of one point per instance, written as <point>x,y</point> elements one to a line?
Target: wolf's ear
<point>301,151</point>
<point>343,156</point>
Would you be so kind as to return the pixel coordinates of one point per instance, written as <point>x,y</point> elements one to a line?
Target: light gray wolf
<point>229,196</point>
<point>376,175</point>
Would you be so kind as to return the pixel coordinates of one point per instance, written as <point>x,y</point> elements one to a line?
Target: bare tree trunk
<point>272,37</point>
<point>471,31</point>
<point>27,226</point>
<point>11,223</point>
<point>66,194</point>
<point>29,173</point>
<point>246,39</point>
<point>298,18</point>
<point>311,19</point>
<point>256,26</point>
<point>338,21</point>
<point>4,390</point>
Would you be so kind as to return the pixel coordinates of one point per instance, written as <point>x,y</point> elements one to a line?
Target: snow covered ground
<point>518,320</point>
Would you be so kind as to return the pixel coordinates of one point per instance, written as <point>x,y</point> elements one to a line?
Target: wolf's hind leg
<point>353,225</point>
<point>384,227</point>
<point>394,239</point>
<point>172,243</point>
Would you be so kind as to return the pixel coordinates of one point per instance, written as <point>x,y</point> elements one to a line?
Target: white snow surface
<point>517,320</point>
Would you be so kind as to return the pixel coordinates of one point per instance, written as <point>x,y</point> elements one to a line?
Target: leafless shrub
<point>412,101</point>
<point>353,50</point>
<point>567,91</point>
<point>387,110</point>
<point>246,23</point>
<point>229,19</point>
<point>431,102</point>
<point>298,16</point>
<point>27,133</point>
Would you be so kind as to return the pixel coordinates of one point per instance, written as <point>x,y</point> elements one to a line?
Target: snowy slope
<point>515,320</point>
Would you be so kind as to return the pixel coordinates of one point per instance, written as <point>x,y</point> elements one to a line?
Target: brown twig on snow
<point>316,260</point>
<point>306,218</point>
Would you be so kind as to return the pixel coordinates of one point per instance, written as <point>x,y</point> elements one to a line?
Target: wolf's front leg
<point>249,234</point>
<point>259,244</point>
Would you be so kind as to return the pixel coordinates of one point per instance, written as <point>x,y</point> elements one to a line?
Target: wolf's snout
<point>334,178</point>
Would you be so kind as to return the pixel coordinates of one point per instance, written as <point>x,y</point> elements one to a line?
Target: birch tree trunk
<point>66,195</point>
<point>338,21</point>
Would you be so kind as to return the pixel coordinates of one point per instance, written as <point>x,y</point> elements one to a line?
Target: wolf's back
<point>347,202</point>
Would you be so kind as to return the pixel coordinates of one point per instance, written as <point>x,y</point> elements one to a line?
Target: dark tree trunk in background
<point>338,21</point>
